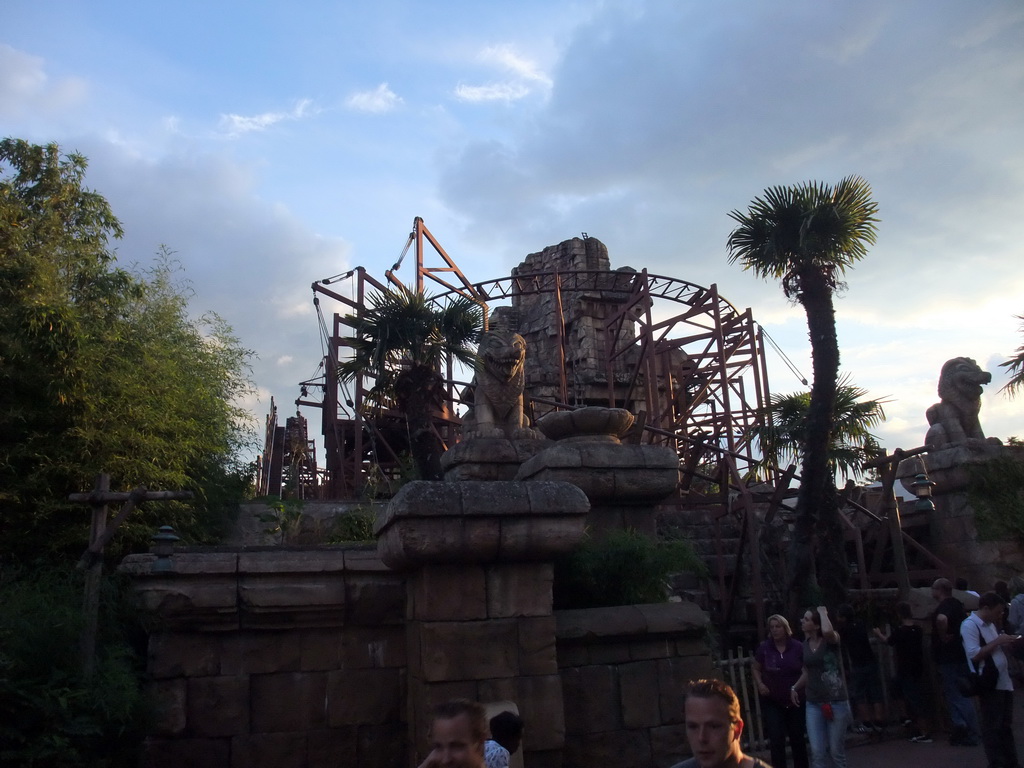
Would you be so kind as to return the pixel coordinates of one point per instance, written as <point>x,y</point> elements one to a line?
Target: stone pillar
<point>954,532</point>
<point>623,482</point>
<point>479,622</point>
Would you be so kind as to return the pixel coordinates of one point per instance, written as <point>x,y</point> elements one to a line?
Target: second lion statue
<point>954,419</point>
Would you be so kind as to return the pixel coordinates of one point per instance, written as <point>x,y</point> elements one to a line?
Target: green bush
<point>354,526</point>
<point>50,713</point>
<point>996,492</point>
<point>621,568</point>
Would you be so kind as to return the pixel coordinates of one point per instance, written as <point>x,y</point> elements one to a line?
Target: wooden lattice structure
<point>682,358</point>
<point>678,354</point>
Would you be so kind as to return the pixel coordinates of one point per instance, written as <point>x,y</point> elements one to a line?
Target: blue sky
<point>274,144</point>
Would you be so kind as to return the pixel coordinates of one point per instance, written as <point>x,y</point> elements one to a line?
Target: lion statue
<point>496,393</point>
<point>954,419</point>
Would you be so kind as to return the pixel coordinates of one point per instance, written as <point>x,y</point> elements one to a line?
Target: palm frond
<point>401,330</point>
<point>810,225</point>
<point>852,443</point>
<point>1015,365</point>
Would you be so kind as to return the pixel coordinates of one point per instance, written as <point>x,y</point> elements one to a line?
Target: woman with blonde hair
<point>778,663</point>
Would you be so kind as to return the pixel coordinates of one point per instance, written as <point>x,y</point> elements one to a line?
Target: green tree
<point>101,368</point>
<point>1016,367</point>
<point>806,236</point>
<point>403,339</point>
<point>851,440</point>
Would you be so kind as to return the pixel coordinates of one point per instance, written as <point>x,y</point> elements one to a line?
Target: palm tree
<point>1016,367</point>
<point>402,339</point>
<point>852,443</point>
<point>806,236</point>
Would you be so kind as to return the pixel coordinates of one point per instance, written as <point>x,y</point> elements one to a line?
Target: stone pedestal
<point>479,620</point>
<point>954,533</point>
<point>949,467</point>
<point>488,458</point>
<point>623,483</point>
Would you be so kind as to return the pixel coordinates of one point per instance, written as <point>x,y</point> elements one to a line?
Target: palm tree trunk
<point>814,504</point>
<point>418,395</point>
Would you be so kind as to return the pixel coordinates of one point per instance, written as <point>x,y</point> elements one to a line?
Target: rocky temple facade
<point>570,324</point>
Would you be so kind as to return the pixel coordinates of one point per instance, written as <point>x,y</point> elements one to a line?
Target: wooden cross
<point>100,533</point>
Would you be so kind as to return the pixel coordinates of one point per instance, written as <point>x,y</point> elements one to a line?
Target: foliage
<point>1015,365</point>
<point>621,568</point>
<point>50,713</point>
<point>807,236</point>
<point>796,232</point>
<point>288,520</point>
<point>996,492</point>
<point>355,526</point>
<point>102,369</point>
<point>403,329</point>
<point>284,518</point>
<point>852,443</point>
<point>402,340</point>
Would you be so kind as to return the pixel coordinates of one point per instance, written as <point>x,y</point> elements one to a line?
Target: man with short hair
<point>948,653</point>
<point>457,733</point>
<point>983,644</point>
<point>713,727</point>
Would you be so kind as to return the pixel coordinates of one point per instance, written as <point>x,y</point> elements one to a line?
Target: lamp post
<point>923,490</point>
<point>163,547</point>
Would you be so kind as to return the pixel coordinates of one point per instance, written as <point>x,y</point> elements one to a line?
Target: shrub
<point>354,526</point>
<point>621,568</point>
<point>50,713</point>
<point>996,492</point>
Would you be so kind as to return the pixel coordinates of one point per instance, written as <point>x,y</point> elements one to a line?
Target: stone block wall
<point>487,634</point>
<point>327,658</point>
<point>276,659</point>
<point>623,672</point>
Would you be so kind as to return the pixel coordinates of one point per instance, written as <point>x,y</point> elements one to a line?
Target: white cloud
<point>493,92</point>
<point>525,78</point>
<point>506,57</point>
<point>26,89</point>
<point>21,74</point>
<point>235,125</point>
<point>377,101</point>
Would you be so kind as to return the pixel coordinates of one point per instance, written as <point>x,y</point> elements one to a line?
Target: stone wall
<point>954,535</point>
<point>299,658</point>
<point>275,658</point>
<point>623,671</point>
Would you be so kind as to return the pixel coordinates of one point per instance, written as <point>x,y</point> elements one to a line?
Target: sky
<point>272,144</point>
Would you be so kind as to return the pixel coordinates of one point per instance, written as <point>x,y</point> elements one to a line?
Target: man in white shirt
<point>983,643</point>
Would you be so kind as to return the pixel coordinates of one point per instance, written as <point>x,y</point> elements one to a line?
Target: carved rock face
<point>503,354</point>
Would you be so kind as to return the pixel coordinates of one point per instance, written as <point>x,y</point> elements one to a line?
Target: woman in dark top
<point>828,706</point>
<point>778,663</point>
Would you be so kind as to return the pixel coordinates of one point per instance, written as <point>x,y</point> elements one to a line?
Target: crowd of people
<point>812,690</point>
